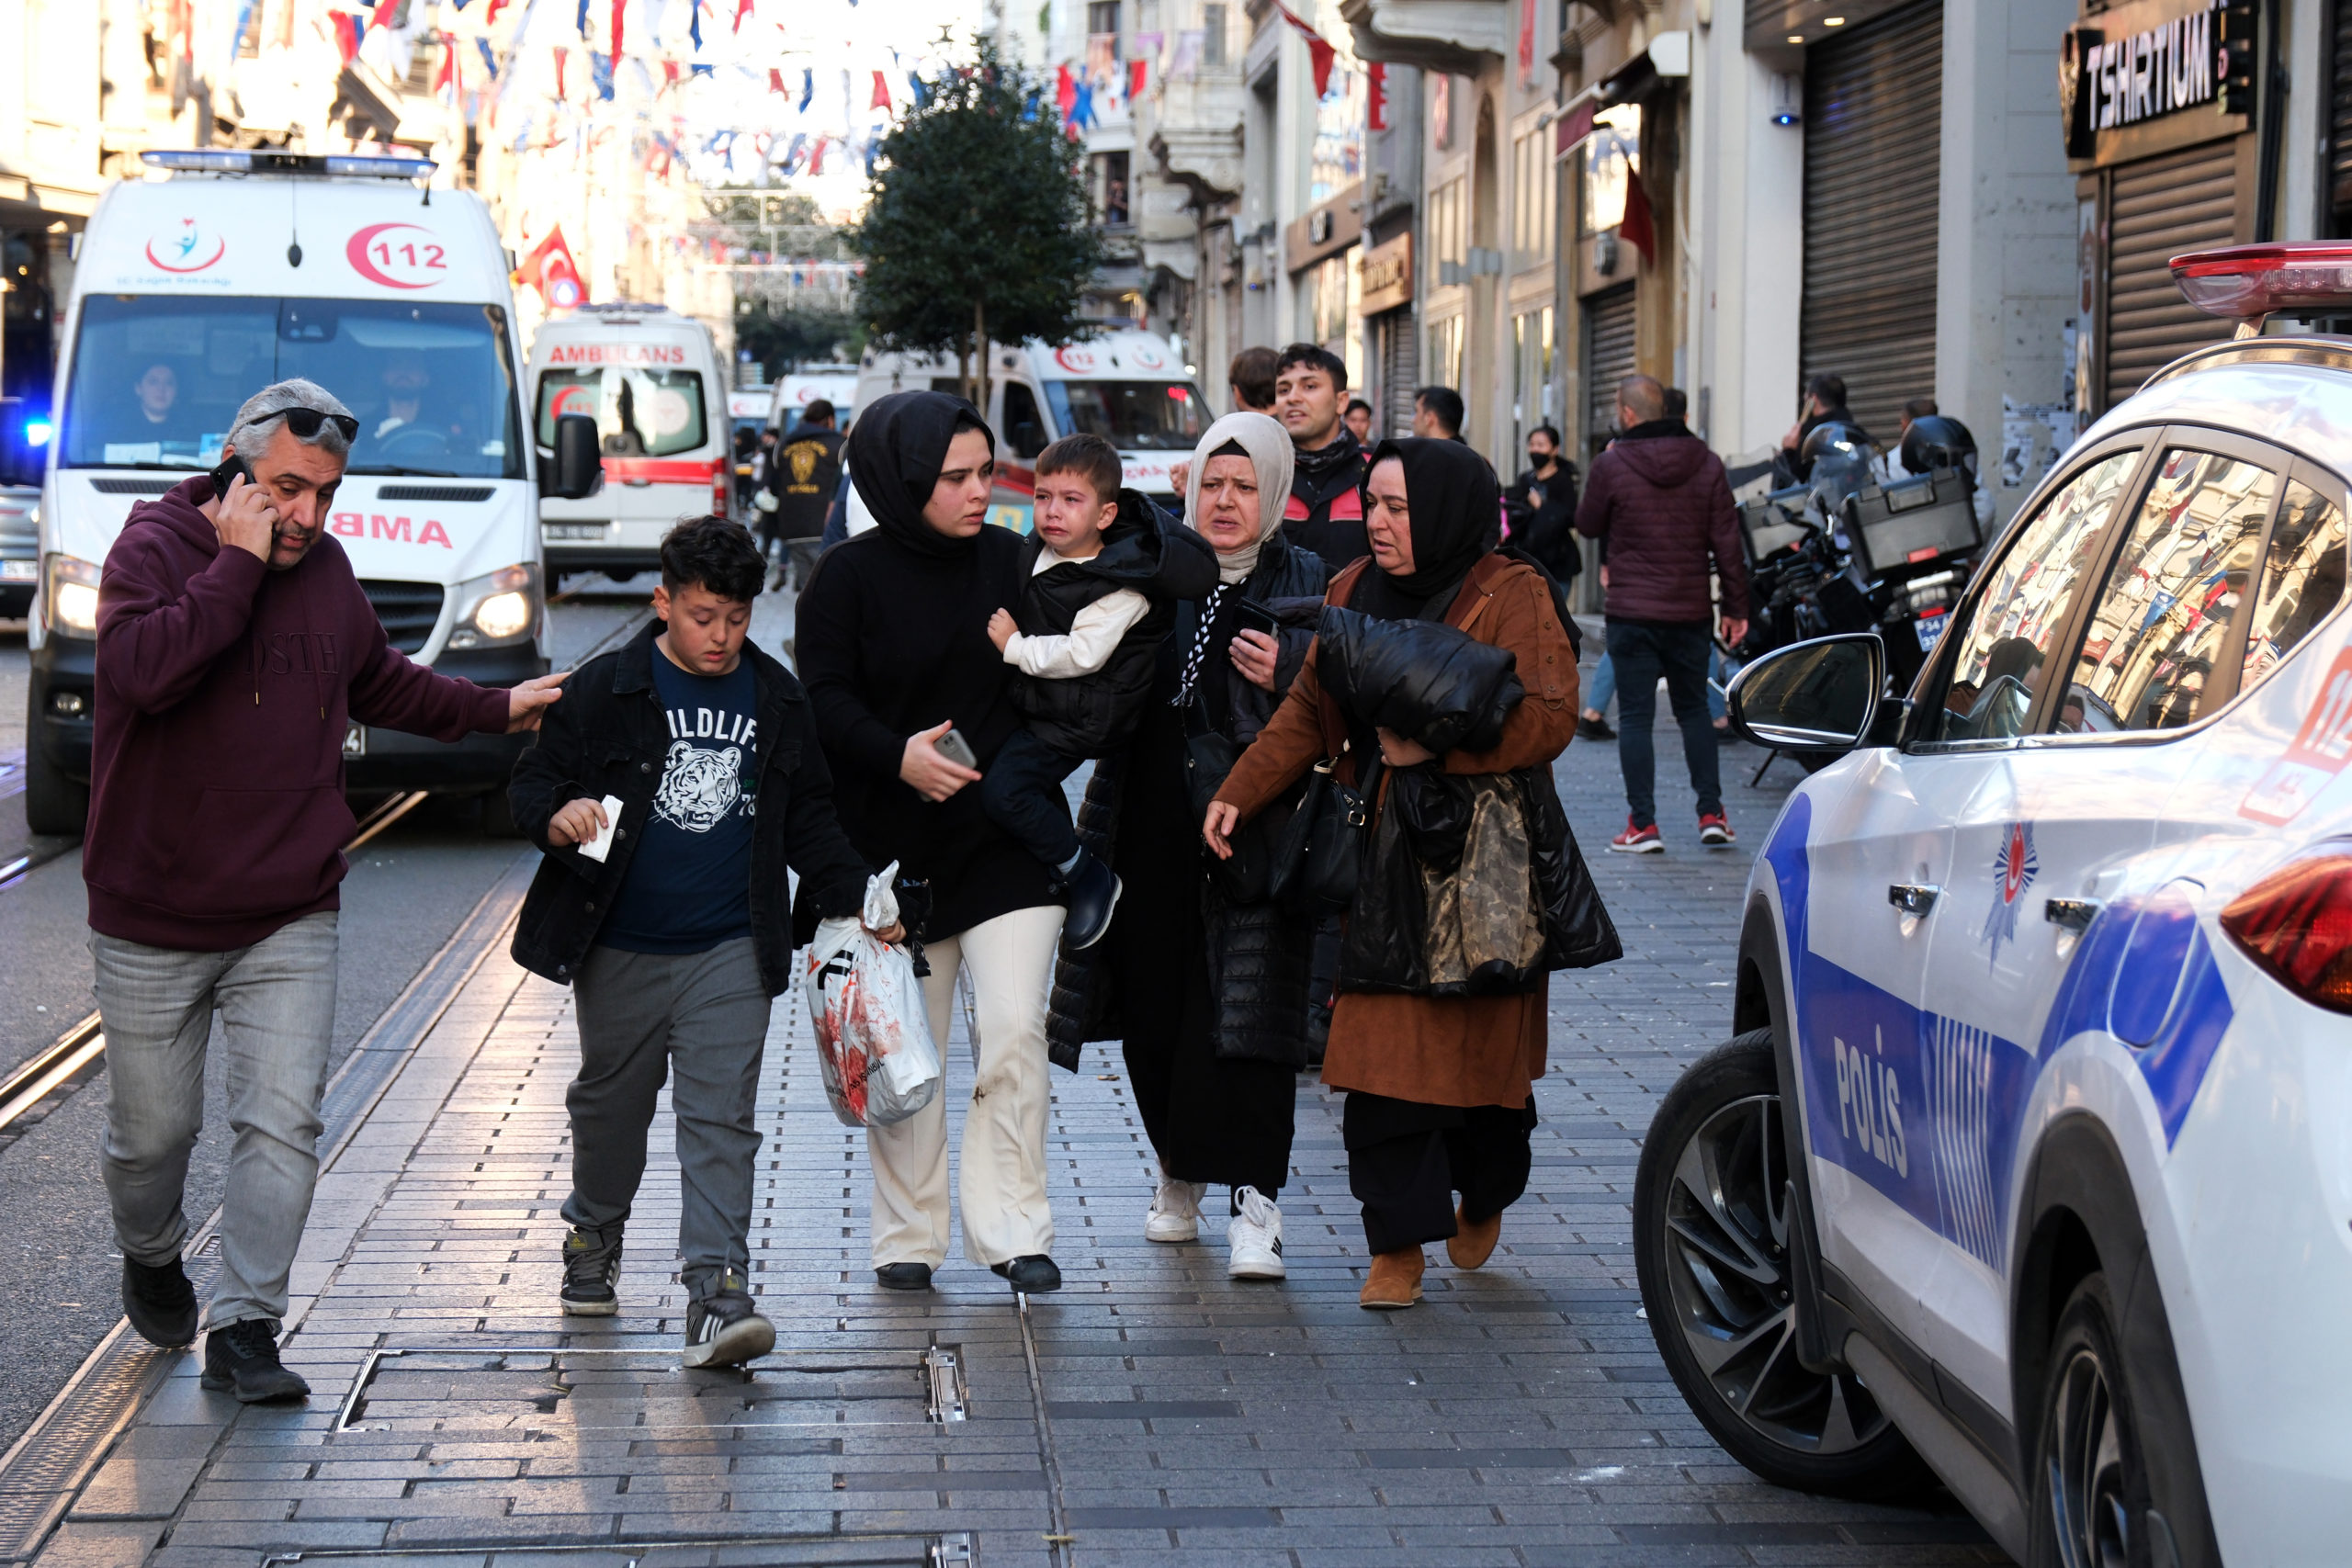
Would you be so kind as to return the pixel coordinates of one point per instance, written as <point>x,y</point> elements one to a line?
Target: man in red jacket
<point>234,645</point>
<point>1660,500</point>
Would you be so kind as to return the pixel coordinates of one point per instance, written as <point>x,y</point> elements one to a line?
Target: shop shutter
<point>2339,117</point>
<point>1608,359</point>
<point>1873,112</point>
<point>2157,208</point>
<point>1400,372</point>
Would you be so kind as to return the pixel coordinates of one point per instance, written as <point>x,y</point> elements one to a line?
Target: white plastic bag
<point>873,1032</point>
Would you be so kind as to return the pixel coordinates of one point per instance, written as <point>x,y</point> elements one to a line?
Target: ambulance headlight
<point>503,607</point>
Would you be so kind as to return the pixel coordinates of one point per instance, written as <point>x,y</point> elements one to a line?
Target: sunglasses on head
<point>305,421</point>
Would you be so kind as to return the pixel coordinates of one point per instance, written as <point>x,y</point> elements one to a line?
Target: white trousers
<point>1006,1215</point>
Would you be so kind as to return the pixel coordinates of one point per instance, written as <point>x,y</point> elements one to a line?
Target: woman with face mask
<point>1202,977</point>
<point>1439,1076</point>
<point>893,645</point>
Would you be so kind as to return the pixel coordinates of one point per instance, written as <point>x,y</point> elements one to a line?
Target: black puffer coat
<point>1146,551</point>
<point>1258,953</point>
<point>1422,679</point>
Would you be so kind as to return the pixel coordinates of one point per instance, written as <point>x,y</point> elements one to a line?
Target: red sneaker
<point>1636,841</point>
<point>1715,830</point>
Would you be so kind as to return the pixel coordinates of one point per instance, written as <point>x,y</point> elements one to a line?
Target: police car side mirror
<point>1822,695</point>
<point>576,468</point>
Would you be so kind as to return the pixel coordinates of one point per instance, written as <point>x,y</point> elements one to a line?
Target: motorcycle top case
<point>1913,524</point>
<point>1773,523</point>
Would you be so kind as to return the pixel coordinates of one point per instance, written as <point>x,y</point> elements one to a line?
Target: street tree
<point>979,224</point>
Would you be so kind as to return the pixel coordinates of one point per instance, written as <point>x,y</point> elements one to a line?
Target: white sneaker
<point>1175,1211</point>
<point>1254,1237</point>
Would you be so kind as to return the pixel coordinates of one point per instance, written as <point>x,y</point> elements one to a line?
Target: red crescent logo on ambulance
<point>398,255</point>
<point>185,247</point>
<point>1071,358</point>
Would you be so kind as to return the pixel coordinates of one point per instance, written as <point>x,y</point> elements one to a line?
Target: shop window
<point>1533,203</point>
<point>1333,297</point>
<point>1611,157</point>
<point>1102,16</point>
<point>1443,361</point>
<point>1532,346</point>
<point>1113,195</point>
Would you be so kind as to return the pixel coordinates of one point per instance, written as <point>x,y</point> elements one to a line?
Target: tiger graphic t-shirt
<point>689,882</point>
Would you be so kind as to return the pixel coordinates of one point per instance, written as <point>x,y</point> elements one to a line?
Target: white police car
<point>2046,977</point>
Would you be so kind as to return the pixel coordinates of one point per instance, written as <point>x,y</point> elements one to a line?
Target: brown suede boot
<point>1395,1281</point>
<point>1473,1244</point>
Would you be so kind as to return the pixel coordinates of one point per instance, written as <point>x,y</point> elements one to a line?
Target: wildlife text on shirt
<point>705,775</point>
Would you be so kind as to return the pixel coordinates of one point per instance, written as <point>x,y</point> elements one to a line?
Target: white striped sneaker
<point>1175,1211</point>
<point>1253,1237</point>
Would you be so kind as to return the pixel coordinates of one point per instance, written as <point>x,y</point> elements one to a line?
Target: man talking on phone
<point>234,645</point>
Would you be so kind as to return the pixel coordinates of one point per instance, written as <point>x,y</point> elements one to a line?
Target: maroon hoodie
<point>1662,505</point>
<point>223,689</point>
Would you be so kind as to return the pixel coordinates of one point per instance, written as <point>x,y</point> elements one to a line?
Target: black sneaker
<point>160,1302</point>
<point>592,1265</point>
<point>1093,893</point>
<point>724,1329</point>
<point>1594,729</point>
<point>1032,1273</point>
<point>903,1276</point>
<point>243,1359</point>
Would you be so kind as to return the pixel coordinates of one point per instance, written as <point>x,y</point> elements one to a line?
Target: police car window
<point>2160,633</point>
<point>2002,659</point>
<point>2303,580</point>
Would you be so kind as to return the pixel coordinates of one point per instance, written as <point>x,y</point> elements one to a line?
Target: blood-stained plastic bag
<point>873,1034</point>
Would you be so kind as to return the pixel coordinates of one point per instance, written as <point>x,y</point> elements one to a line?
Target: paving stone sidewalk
<point>1153,1410</point>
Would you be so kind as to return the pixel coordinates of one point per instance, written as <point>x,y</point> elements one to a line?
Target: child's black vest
<point>1144,550</point>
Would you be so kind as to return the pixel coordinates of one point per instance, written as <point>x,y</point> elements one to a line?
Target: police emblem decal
<point>2014,866</point>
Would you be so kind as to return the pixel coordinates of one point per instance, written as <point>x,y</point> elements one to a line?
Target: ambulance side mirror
<point>1821,695</point>
<point>576,468</point>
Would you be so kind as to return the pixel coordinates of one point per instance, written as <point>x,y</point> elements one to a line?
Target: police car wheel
<point>2101,1459</point>
<point>1712,1211</point>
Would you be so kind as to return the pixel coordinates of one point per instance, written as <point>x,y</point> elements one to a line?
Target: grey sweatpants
<point>276,1005</point>
<point>642,1015</point>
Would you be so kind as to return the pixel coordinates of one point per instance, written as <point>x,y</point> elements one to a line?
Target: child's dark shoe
<point>1093,895</point>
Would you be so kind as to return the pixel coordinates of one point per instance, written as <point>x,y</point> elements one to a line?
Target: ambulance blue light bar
<point>2249,281</point>
<point>225,162</point>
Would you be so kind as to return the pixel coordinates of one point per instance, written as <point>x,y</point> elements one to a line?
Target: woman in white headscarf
<point>1201,978</point>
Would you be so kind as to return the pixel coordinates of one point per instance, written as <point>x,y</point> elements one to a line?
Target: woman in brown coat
<point>1440,1087</point>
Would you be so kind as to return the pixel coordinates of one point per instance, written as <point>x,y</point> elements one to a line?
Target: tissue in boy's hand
<point>597,848</point>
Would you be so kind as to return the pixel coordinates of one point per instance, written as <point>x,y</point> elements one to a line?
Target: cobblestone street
<point>1153,1409</point>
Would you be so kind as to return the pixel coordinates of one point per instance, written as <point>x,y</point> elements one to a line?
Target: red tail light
<point>2254,281</point>
<point>2297,924</point>
<point>722,475</point>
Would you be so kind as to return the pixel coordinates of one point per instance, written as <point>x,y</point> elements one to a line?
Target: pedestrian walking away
<point>1437,1069</point>
<point>894,647</point>
<point>1661,506</point>
<point>804,472</point>
<point>667,913</point>
<point>234,647</point>
<point>1325,509</point>
<point>1096,602</point>
<point>1202,978</point>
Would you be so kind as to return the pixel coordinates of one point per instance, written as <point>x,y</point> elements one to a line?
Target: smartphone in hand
<point>957,749</point>
<point>1249,615</point>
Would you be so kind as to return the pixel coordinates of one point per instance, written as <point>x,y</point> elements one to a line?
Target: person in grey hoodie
<point>234,645</point>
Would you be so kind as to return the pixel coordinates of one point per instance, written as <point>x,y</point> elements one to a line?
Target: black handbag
<point>1578,933</point>
<point>1319,860</point>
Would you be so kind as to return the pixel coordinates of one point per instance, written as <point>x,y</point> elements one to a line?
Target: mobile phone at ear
<point>1252,616</point>
<point>232,467</point>
<point>957,749</point>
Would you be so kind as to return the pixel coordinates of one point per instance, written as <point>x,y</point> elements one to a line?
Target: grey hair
<point>264,415</point>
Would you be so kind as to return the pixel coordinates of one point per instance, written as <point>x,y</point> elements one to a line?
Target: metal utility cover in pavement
<point>572,1389</point>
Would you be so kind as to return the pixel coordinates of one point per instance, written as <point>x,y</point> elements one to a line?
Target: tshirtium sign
<point>2148,76</point>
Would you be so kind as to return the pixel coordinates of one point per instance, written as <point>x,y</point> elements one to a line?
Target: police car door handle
<point>1912,898</point>
<point>2071,914</point>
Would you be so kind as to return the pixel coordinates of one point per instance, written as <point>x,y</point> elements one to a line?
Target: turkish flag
<point>881,99</point>
<point>1637,228</point>
<point>549,269</point>
<point>1138,76</point>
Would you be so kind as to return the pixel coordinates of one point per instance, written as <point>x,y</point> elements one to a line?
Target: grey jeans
<point>276,1005</point>
<point>643,1016</point>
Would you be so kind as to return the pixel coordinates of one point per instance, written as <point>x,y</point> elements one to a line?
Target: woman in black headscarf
<point>894,649</point>
<point>1440,1087</point>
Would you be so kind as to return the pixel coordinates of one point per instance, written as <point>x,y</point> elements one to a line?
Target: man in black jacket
<point>670,915</point>
<point>1326,510</point>
<point>804,471</point>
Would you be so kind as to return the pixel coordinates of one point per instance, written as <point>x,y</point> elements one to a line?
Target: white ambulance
<point>650,378</point>
<point>1128,387</point>
<point>222,272</point>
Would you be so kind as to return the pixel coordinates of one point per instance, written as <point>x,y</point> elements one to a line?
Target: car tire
<point>1712,1211</point>
<point>53,803</point>
<point>2099,1455</point>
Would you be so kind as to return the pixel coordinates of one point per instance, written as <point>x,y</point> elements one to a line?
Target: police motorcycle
<point>1847,549</point>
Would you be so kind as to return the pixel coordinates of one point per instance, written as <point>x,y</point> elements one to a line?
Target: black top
<point>804,472</point>
<point>686,890</point>
<point>1326,510</point>
<point>894,640</point>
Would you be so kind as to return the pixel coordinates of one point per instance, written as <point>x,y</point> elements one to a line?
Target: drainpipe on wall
<point>2270,125</point>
